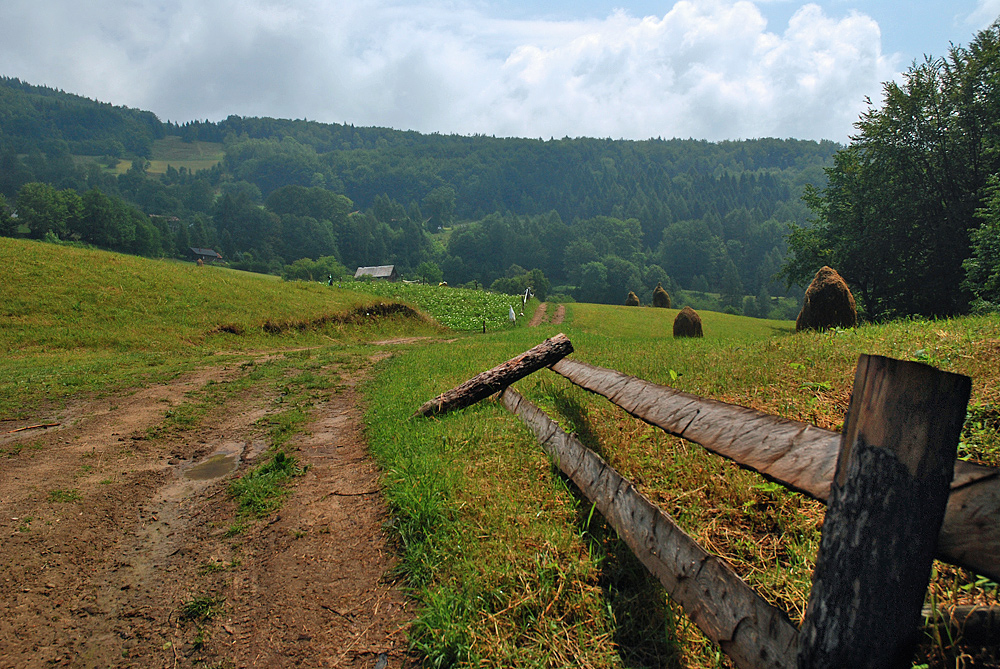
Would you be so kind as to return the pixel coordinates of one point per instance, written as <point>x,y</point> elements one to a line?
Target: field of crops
<point>456,308</point>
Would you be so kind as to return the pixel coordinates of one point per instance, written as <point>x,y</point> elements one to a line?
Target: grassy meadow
<point>508,566</point>
<point>176,153</point>
<point>455,308</point>
<point>79,320</point>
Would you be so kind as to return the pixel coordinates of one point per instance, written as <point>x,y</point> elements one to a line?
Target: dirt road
<point>541,315</point>
<point>121,547</point>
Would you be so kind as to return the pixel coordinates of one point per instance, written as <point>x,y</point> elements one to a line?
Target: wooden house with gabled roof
<point>207,256</point>
<point>387,272</point>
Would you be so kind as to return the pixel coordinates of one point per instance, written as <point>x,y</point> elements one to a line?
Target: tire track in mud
<point>97,575</point>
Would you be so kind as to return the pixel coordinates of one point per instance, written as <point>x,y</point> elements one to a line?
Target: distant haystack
<point>687,323</point>
<point>828,303</point>
<point>632,300</point>
<point>660,297</point>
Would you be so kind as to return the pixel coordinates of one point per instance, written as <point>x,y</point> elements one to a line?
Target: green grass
<point>62,496</point>
<point>260,491</point>
<point>780,307</point>
<point>507,563</point>
<point>201,608</point>
<point>500,555</point>
<point>78,321</point>
<point>456,308</point>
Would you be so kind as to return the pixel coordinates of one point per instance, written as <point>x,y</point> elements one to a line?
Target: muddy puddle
<point>223,461</point>
<point>214,467</point>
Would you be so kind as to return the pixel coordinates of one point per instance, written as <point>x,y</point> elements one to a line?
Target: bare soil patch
<point>539,316</point>
<point>107,541</point>
<point>560,315</point>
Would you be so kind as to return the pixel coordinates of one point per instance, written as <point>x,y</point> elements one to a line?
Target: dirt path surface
<point>560,315</point>
<point>121,547</point>
<point>539,316</point>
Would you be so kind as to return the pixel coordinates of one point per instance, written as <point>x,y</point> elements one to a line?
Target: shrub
<point>306,269</point>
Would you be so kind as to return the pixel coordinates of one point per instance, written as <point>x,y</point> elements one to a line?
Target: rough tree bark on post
<point>494,380</point>
<point>883,517</point>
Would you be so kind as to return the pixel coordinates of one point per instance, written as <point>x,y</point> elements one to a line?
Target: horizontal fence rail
<point>748,629</point>
<point>799,456</point>
<point>891,475</point>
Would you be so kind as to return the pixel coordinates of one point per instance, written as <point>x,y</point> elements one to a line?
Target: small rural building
<point>207,256</point>
<point>387,272</point>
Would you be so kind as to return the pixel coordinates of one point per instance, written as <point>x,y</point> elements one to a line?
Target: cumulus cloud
<point>711,69</point>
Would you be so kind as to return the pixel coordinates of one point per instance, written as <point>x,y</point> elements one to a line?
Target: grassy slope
<point>75,319</point>
<point>511,568</point>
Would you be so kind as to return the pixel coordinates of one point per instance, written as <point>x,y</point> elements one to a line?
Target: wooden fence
<point>895,495</point>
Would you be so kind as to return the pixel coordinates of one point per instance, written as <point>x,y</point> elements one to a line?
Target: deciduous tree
<point>896,215</point>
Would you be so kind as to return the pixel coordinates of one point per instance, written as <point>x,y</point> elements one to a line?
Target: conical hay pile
<point>632,300</point>
<point>687,323</point>
<point>660,297</point>
<point>828,303</point>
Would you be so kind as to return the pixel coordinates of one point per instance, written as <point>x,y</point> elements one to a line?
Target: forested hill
<point>44,119</point>
<point>593,215</point>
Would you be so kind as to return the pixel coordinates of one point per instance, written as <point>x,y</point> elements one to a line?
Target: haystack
<point>660,297</point>
<point>632,300</point>
<point>828,303</point>
<point>687,323</point>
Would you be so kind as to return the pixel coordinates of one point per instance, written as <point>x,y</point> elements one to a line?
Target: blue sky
<point>908,28</point>
<point>708,69</point>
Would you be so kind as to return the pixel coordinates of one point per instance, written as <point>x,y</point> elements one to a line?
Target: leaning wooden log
<point>494,380</point>
<point>897,457</point>
<point>799,456</point>
<point>970,625</point>
<point>749,630</point>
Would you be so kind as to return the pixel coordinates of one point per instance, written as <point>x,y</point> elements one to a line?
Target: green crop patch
<point>455,308</point>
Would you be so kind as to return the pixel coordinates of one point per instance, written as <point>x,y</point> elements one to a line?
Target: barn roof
<point>377,271</point>
<point>205,252</point>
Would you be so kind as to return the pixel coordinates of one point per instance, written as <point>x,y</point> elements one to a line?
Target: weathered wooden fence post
<point>883,515</point>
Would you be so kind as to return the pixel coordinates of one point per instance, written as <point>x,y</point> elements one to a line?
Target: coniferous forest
<point>909,203</point>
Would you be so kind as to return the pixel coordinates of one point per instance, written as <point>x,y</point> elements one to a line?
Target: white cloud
<point>709,69</point>
<point>986,12</point>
